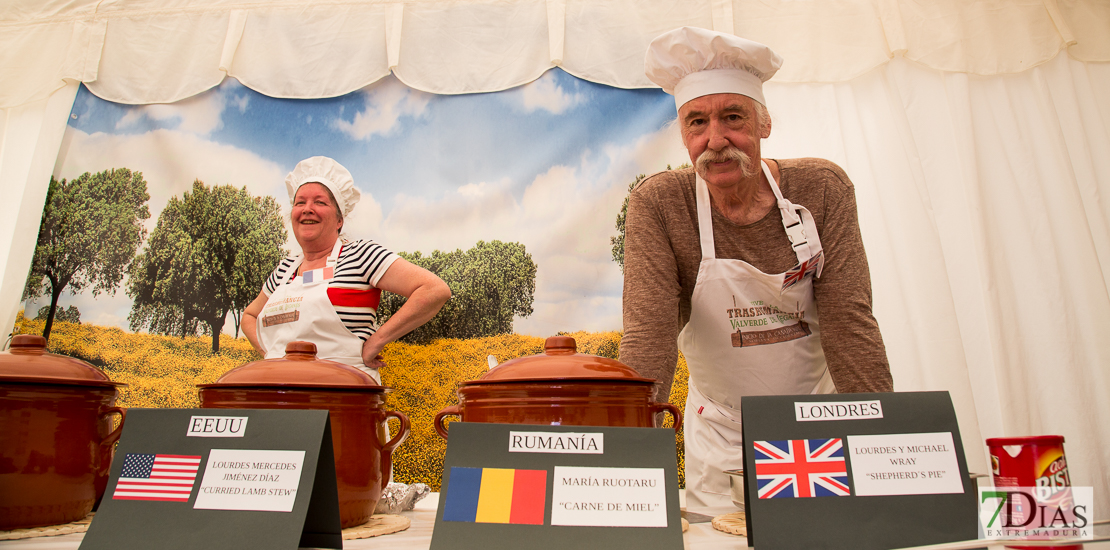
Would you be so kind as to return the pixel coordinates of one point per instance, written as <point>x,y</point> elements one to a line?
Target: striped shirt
<point>353,291</point>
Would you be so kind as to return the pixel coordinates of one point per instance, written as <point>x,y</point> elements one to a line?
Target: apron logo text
<point>281,318</point>
<point>743,316</point>
<point>773,336</point>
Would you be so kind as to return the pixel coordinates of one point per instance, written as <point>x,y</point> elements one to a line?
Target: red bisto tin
<point>1029,461</point>
<point>1036,461</point>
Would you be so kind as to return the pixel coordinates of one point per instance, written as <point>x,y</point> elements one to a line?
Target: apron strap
<point>705,218</point>
<point>292,270</point>
<point>333,258</point>
<point>798,223</point>
<point>796,220</point>
<point>332,261</point>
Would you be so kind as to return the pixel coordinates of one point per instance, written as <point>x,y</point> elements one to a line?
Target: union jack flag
<point>801,468</point>
<point>799,272</point>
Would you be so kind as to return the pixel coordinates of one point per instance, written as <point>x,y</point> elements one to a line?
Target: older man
<point>754,268</point>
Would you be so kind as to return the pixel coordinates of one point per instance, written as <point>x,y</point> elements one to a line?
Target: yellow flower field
<point>162,372</point>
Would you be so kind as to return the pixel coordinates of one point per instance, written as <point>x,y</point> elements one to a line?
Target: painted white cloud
<point>564,217</point>
<point>170,161</point>
<point>241,102</point>
<point>475,212</point>
<point>544,93</point>
<point>386,103</point>
<point>200,114</point>
<point>364,222</point>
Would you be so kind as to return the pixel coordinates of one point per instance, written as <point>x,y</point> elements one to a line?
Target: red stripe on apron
<point>350,297</point>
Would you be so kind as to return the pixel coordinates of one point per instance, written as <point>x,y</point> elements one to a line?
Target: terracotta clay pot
<point>363,457</point>
<point>56,437</point>
<point>560,387</point>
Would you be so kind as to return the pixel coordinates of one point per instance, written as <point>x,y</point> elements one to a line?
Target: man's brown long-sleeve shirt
<point>662,254</point>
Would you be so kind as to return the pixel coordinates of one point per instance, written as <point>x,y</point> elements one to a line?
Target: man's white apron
<point>750,333</point>
<point>303,311</point>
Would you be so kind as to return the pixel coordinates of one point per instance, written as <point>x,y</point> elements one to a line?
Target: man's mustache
<point>727,154</point>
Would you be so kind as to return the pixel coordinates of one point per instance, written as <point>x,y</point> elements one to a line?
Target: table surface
<point>418,536</point>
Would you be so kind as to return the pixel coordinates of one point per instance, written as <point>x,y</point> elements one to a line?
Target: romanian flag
<point>496,495</point>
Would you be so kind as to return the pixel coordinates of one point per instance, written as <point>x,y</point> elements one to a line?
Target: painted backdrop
<point>546,165</point>
<point>536,175</point>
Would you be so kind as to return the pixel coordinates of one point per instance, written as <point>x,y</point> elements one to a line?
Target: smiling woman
<point>329,294</point>
<point>315,215</point>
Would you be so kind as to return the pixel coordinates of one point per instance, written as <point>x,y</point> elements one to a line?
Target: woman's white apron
<point>750,333</point>
<point>301,310</point>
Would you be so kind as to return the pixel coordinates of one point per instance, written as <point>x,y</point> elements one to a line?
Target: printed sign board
<point>220,479</point>
<point>556,487</point>
<point>879,470</point>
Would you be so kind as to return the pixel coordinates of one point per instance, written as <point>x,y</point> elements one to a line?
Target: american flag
<point>157,477</point>
<point>801,468</point>
<point>799,272</point>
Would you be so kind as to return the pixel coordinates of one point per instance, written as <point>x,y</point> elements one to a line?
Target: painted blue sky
<point>546,164</point>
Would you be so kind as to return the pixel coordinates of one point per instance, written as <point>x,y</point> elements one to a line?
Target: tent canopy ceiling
<point>158,51</point>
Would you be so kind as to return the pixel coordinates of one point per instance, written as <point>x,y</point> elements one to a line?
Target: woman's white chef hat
<point>330,174</point>
<point>689,62</point>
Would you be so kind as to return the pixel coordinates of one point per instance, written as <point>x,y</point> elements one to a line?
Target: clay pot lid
<point>300,368</point>
<point>27,362</point>
<point>561,361</point>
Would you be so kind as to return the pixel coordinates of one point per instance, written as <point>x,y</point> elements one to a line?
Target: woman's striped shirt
<point>352,291</point>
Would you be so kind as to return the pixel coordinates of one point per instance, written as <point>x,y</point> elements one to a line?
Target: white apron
<point>302,311</point>
<point>750,333</point>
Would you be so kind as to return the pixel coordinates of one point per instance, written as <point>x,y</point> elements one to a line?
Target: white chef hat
<point>330,174</point>
<point>689,62</point>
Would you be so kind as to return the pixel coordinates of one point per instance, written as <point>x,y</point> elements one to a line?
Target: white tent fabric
<point>154,51</point>
<point>981,209</point>
<point>977,134</point>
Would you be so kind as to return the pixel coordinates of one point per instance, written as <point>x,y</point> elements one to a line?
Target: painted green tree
<point>91,227</point>
<point>491,283</point>
<point>67,315</point>
<point>617,242</point>
<point>208,256</point>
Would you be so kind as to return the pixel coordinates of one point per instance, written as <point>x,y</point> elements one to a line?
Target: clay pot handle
<point>114,435</point>
<point>387,449</point>
<point>675,413</point>
<point>441,429</point>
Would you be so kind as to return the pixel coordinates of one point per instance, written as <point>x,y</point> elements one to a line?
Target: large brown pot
<point>301,381</point>
<point>560,387</point>
<point>56,437</point>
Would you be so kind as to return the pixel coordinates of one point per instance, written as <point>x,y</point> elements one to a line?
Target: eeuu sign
<point>189,478</point>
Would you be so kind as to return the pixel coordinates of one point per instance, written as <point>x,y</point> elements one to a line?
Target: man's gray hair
<point>762,117</point>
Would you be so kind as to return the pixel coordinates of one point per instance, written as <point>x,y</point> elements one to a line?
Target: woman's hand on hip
<point>371,353</point>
